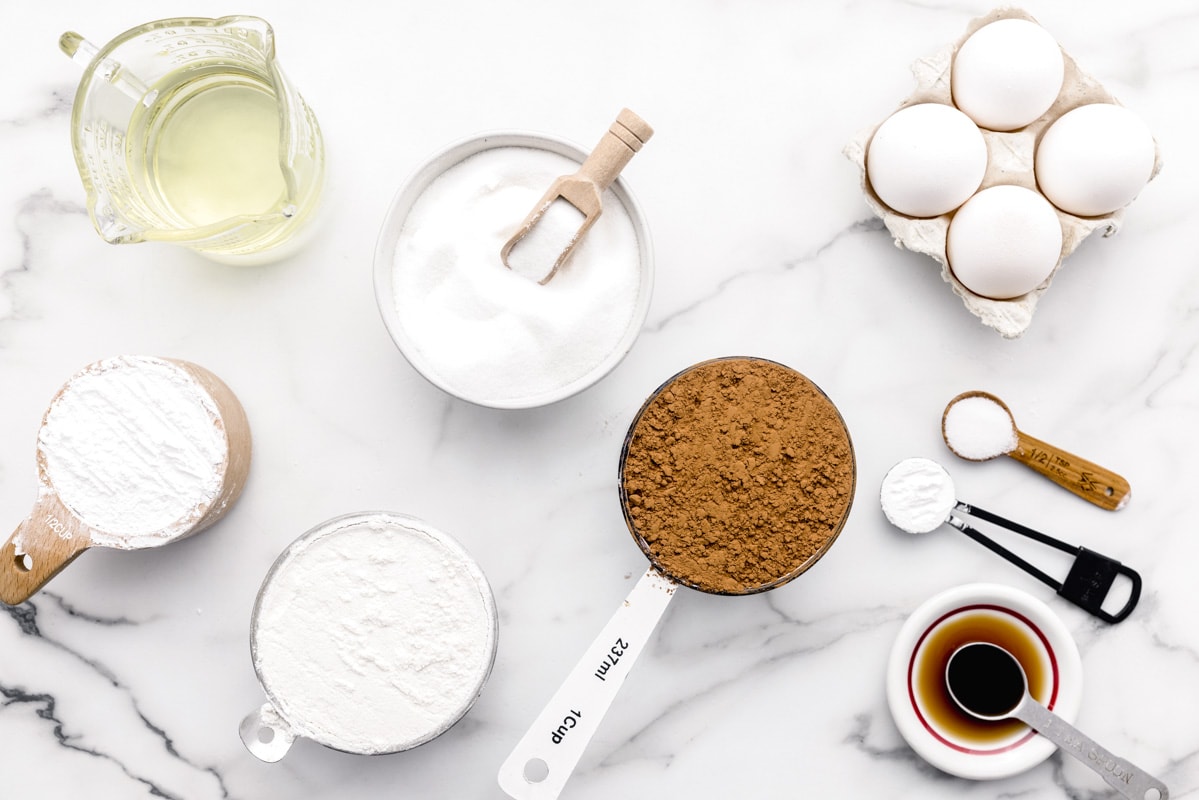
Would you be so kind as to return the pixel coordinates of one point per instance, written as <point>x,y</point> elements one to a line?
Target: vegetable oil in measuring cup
<point>207,148</point>
<point>186,131</point>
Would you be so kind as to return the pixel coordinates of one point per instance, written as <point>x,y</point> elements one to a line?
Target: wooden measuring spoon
<point>582,191</point>
<point>134,452</point>
<point>978,426</point>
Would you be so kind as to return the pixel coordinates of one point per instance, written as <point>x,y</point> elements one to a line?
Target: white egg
<point>1004,242</point>
<point>1095,159</point>
<point>926,160</point>
<point>1007,74</point>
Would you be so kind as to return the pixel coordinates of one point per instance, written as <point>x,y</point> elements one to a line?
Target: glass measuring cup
<point>186,131</point>
<point>542,762</point>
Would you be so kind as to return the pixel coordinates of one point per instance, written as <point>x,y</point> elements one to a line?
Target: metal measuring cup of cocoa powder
<point>736,476</point>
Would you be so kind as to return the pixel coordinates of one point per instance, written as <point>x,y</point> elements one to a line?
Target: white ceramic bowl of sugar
<point>579,326</point>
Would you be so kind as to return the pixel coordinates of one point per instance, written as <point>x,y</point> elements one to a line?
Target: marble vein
<point>47,711</point>
<point>59,105</point>
<point>859,226</point>
<point>859,738</point>
<point>25,616</point>
<point>744,675</point>
<point>33,206</point>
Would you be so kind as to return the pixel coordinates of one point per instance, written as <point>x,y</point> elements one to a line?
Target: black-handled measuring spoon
<point>917,496</point>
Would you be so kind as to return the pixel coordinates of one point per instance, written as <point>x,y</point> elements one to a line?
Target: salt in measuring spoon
<point>978,426</point>
<point>988,683</point>
<point>544,759</point>
<point>134,452</point>
<point>917,496</point>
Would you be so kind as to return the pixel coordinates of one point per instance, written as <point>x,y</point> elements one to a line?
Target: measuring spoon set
<point>918,496</point>
<point>982,678</point>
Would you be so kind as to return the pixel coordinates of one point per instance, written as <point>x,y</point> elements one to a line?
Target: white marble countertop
<point>127,676</point>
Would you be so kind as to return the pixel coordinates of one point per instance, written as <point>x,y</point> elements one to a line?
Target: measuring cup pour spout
<point>187,131</point>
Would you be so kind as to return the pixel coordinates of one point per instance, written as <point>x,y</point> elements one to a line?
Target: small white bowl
<point>393,224</point>
<point>1050,643</point>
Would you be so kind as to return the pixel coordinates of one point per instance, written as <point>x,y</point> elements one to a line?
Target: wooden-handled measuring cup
<point>133,452</point>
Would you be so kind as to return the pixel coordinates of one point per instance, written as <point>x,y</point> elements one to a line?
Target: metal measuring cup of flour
<point>543,760</point>
<point>187,131</point>
<point>133,452</point>
<point>372,633</point>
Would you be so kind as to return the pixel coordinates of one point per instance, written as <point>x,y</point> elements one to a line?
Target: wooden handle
<point>617,147</point>
<point>1089,481</point>
<point>49,539</point>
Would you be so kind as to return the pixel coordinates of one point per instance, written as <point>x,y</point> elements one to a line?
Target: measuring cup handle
<point>543,760</point>
<point>49,539</point>
<point>1088,480</point>
<point>265,734</point>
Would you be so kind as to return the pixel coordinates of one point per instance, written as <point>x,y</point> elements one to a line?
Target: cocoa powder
<point>737,475</point>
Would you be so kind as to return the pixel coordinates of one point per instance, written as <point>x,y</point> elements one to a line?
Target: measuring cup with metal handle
<point>545,757</point>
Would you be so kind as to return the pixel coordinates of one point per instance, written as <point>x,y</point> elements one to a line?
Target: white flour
<point>134,446</point>
<point>373,635</point>
<point>917,495</point>
<point>489,333</point>
<point>979,428</point>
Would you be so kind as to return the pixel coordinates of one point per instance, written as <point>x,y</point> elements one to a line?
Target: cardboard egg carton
<point>1010,158</point>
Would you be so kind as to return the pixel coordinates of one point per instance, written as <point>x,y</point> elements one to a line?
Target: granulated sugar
<point>535,254</point>
<point>488,333</point>
<point>373,634</point>
<point>135,447</point>
<point>978,428</point>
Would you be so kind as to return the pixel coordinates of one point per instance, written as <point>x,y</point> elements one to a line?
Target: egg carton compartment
<point>1010,161</point>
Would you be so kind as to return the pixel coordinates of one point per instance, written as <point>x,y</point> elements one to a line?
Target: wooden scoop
<point>584,190</point>
<point>145,451</point>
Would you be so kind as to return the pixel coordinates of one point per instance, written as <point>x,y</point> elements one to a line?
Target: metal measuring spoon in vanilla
<point>988,683</point>
<point>978,426</point>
